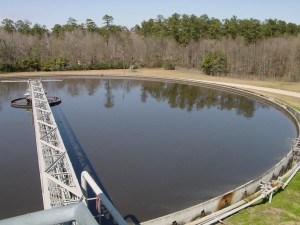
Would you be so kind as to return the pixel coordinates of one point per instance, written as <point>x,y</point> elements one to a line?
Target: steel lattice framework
<point>60,186</point>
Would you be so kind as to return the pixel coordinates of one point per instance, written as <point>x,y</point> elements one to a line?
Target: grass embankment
<point>285,207</point>
<point>298,108</point>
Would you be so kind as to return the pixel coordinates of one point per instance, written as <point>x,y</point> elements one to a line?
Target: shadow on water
<point>81,163</point>
<point>76,153</point>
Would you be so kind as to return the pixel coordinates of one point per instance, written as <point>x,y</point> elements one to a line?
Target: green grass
<point>284,209</point>
<point>296,107</point>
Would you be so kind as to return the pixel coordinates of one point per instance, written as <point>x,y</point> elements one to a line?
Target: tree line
<point>185,28</point>
<point>230,47</point>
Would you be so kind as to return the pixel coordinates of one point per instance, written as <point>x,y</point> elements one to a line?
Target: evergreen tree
<point>23,26</point>
<point>90,25</point>
<point>214,63</point>
<point>39,30</point>
<point>173,26</point>
<point>57,30</point>
<point>231,27</point>
<point>8,25</point>
<point>215,30</point>
<point>250,29</point>
<point>108,20</point>
<point>71,25</point>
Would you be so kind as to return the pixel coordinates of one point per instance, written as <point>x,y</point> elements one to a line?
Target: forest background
<point>242,48</point>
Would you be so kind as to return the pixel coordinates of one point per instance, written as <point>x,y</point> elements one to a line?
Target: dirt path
<point>264,89</point>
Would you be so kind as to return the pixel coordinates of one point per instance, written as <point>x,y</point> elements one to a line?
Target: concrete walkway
<point>155,73</point>
<point>242,86</point>
<point>265,89</point>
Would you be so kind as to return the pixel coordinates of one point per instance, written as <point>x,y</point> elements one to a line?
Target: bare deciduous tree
<point>272,58</point>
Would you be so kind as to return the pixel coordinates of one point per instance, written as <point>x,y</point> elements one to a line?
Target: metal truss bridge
<point>64,199</point>
<point>59,183</point>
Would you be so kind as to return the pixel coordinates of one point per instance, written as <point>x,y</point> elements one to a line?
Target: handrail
<point>77,212</point>
<point>87,179</point>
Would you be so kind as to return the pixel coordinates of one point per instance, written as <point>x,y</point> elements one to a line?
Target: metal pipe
<point>74,212</point>
<point>291,177</point>
<point>225,215</point>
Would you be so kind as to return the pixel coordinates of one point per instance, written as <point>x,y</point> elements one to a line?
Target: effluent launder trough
<point>156,147</point>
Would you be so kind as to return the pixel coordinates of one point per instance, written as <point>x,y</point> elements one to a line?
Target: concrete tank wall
<point>242,192</point>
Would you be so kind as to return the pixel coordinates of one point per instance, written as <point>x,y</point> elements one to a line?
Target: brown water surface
<point>156,147</point>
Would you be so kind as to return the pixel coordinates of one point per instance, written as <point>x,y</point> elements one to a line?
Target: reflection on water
<point>157,147</point>
<point>191,97</point>
<point>176,95</point>
<point>109,103</point>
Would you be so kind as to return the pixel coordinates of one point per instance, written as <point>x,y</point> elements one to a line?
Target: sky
<point>132,12</point>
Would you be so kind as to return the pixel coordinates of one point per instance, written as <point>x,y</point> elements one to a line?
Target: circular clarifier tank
<point>158,147</point>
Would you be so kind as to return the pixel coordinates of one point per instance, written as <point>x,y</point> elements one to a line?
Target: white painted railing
<point>86,180</point>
